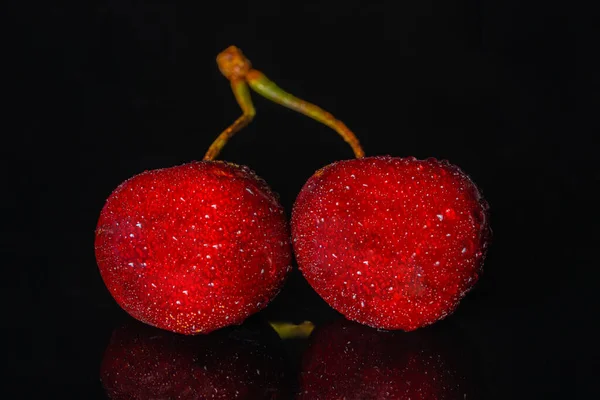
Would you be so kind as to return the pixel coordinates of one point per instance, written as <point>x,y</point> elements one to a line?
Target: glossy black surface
<point>98,92</point>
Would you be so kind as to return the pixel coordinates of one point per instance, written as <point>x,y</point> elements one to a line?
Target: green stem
<point>242,96</point>
<point>238,69</point>
<point>267,88</point>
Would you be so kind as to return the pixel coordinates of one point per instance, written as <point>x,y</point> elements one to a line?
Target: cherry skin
<point>393,243</point>
<point>193,248</point>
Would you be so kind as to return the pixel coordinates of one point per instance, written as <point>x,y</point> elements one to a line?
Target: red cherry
<point>346,360</point>
<point>193,248</point>
<point>392,243</point>
<point>141,362</point>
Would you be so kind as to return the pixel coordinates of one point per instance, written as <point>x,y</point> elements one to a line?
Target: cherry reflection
<point>349,361</point>
<point>142,362</point>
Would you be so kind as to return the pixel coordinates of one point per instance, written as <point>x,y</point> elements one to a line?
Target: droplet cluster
<point>393,243</point>
<point>193,248</point>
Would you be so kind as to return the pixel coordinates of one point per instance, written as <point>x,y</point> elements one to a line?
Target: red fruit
<point>349,361</point>
<point>392,243</point>
<point>193,248</point>
<point>142,363</point>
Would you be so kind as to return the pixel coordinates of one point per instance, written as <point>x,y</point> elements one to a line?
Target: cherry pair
<point>392,243</point>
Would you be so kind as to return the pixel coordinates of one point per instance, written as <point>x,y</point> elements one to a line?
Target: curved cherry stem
<point>238,69</point>
<point>242,95</point>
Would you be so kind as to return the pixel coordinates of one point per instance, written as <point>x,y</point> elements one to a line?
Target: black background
<point>100,91</point>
